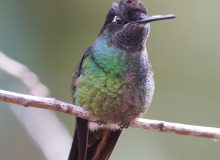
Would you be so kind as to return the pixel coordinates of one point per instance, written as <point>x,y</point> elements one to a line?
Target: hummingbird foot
<point>101,121</point>
<point>124,125</point>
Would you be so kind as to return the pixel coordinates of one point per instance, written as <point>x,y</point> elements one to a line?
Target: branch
<point>51,145</point>
<point>23,73</point>
<point>154,125</point>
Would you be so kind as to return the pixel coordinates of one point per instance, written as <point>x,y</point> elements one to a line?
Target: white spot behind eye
<point>117,20</point>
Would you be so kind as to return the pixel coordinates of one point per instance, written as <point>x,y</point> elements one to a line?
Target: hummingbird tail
<point>80,140</point>
<point>103,147</point>
<point>92,145</point>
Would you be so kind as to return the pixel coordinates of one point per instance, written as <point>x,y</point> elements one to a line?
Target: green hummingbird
<point>114,80</point>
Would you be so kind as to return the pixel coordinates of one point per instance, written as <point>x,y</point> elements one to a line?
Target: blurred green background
<point>50,36</point>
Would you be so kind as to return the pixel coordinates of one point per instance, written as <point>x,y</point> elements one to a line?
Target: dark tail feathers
<point>97,145</point>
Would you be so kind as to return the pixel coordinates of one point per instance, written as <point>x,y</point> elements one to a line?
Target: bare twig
<point>161,126</point>
<point>22,73</point>
<point>53,146</point>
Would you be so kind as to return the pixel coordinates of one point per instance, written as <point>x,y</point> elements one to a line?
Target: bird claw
<point>101,121</point>
<point>124,125</point>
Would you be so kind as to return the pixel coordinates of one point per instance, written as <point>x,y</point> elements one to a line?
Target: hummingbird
<point>114,80</point>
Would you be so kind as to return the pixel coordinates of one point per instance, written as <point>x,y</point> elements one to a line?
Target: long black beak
<point>155,18</point>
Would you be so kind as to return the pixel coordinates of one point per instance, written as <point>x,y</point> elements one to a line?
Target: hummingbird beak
<point>155,18</point>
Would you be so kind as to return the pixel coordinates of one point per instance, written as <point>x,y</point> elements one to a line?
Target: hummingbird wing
<point>80,139</point>
<point>90,145</point>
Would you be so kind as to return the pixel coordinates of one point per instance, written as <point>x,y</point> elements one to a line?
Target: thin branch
<point>22,72</point>
<point>53,146</point>
<point>154,125</point>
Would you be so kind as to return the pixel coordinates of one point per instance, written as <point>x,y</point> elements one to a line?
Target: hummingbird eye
<point>117,20</point>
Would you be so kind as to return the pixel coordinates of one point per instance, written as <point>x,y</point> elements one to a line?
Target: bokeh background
<point>50,36</point>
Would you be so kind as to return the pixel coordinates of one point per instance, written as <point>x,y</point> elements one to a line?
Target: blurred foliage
<point>50,36</point>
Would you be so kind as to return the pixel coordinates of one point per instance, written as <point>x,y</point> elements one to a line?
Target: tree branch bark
<point>51,145</point>
<point>153,125</point>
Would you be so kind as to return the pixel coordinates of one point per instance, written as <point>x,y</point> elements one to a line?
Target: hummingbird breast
<point>115,84</point>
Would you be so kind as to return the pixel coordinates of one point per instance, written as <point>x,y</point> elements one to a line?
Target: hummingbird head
<point>127,22</point>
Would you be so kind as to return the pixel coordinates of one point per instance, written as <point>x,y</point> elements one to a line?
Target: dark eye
<point>117,20</point>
